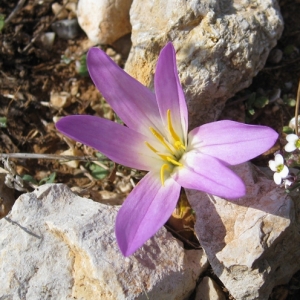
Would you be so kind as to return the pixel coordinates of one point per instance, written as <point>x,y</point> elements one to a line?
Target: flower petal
<point>145,211</point>
<point>206,173</point>
<point>232,142</point>
<point>119,143</point>
<point>279,159</point>
<point>273,165</point>
<point>277,178</point>
<point>292,137</point>
<point>284,172</point>
<point>133,103</point>
<point>169,92</point>
<point>290,147</point>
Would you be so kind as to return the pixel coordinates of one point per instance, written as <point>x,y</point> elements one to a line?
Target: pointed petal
<point>169,92</point>
<point>119,143</point>
<point>145,211</point>
<point>205,173</point>
<point>232,142</point>
<point>133,103</point>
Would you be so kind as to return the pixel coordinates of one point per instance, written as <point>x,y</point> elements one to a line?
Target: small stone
<point>72,152</point>
<point>60,100</point>
<point>74,89</point>
<point>66,29</point>
<point>104,21</point>
<point>288,85</point>
<point>59,12</point>
<point>209,290</point>
<point>275,56</point>
<point>46,40</point>
<point>72,6</point>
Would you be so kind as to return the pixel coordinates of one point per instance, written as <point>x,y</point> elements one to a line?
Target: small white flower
<point>292,123</point>
<point>293,142</point>
<point>277,165</point>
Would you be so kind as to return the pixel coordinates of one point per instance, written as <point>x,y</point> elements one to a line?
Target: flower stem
<point>297,109</point>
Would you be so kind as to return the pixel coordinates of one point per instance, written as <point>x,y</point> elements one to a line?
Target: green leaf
<point>2,23</point>
<point>81,66</point>
<point>291,102</point>
<point>3,122</point>
<point>251,111</point>
<point>97,171</point>
<point>287,130</point>
<point>29,178</point>
<point>49,179</point>
<point>100,155</point>
<point>261,102</point>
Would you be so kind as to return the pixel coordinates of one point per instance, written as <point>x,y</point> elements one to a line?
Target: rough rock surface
<point>56,245</point>
<point>104,21</point>
<point>252,243</point>
<point>209,290</point>
<point>220,46</point>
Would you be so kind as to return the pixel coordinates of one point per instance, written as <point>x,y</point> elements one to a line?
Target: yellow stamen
<point>170,127</point>
<point>152,148</point>
<point>173,161</point>
<point>163,168</point>
<point>178,144</point>
<point>160,138</point>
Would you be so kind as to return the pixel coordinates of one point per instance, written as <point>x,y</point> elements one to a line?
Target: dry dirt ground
<point>32,73</point>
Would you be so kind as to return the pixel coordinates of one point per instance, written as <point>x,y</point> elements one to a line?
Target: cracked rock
<point>220,46</point>
<point>57,245</point>
<point>252,243</point>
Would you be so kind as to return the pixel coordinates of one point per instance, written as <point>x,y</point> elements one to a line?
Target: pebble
<point>66,29</point>
<point>275,56</point>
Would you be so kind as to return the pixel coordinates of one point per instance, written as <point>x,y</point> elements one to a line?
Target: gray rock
<point>66,29</point>
<point>57,245</point>
<point>220,46</point>
<point>252,243</point>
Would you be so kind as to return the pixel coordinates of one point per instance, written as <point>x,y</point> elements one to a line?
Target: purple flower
<point>155,139</point>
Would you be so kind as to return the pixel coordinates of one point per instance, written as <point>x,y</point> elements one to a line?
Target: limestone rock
<point>220,46</point>
<point>57,245</point>
<point>104,21</point>
<point>208,289</point>
<point>252,243</point>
